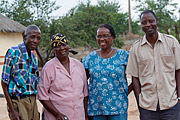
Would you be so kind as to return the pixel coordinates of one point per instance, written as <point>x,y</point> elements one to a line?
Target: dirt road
<point>133,113</point>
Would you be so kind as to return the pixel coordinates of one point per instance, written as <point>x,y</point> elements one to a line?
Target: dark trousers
<point>170,114</point>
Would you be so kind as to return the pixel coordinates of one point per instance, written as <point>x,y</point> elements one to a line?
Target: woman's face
<point>62,51</point>
<point>104,38</point>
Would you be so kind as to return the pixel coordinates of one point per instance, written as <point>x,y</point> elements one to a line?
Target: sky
<point>66,5</point>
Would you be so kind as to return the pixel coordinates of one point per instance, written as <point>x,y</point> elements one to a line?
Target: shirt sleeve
<point>126,55</point>
<point>7,67</point>
<point>85,62</point>
<point>132,66</point>
<point>44,85</point>
<point>176,50</point>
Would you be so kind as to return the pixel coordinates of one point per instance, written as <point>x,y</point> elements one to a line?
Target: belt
<point>21,97</point>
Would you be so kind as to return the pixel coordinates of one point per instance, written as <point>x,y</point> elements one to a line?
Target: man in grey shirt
<point>154,65</point>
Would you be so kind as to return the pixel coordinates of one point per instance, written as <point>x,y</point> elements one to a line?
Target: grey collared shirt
<point>155,67</point>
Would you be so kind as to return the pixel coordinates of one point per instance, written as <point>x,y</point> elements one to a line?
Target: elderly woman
<point>108,87</point>
<point>62,87</point>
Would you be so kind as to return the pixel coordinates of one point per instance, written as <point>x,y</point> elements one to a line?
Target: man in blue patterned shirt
<point>20,77</point>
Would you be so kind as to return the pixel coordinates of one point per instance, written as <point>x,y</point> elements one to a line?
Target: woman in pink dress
<point>62,87</point>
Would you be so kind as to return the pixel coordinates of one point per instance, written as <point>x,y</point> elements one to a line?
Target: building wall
<point>7,40</point>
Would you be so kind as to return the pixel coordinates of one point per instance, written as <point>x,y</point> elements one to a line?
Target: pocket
<point>144,67</point>
<point>168,63</point>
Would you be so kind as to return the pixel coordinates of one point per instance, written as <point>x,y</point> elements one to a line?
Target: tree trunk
<point>129,11</point>
<point>176,31</point>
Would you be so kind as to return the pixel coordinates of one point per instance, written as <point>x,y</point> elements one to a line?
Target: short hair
<point>148,11</point>
<point>31,27</point>
<point>110,28</point>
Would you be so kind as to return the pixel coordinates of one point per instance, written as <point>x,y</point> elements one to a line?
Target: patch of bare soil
<point>133,113</point>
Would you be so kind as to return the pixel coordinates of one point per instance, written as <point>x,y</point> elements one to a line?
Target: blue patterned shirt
<point>108,88</point>
<point>20,72</point>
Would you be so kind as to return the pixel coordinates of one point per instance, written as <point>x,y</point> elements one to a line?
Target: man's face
<point>32,39</point>
<point>149,23</point>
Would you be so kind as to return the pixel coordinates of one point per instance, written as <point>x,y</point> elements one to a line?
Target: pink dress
<point>65,91</point>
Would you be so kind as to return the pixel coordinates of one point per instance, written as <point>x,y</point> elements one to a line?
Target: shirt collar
<point>61,67</point>
<point>72,62</point>
<point>25,53</point>
<point>144,40</point>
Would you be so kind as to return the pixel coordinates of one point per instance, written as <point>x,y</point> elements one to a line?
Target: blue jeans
<point>170,114</point>
<point>109,117</point>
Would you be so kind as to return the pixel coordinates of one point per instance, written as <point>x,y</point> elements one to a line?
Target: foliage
<point>79,25</point>
<point>29,12</point>
<point>17,10</point>
<point>82,21</point>
<point>161,9</point>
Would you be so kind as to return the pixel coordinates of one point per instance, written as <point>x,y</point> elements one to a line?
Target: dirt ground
<point>133,113</point>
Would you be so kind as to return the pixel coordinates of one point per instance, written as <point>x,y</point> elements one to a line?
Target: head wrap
<point>58,39</point>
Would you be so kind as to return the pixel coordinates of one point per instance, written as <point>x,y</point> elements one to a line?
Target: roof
<point>8,25</point>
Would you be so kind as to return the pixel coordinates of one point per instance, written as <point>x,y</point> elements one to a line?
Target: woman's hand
<point>52,109</point>
<point>61,116</point>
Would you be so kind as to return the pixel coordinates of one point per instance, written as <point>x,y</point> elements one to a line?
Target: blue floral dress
<point>108,88</point>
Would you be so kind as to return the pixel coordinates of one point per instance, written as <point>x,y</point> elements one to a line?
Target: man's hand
<point>52,109</point>
<point>14,115</point>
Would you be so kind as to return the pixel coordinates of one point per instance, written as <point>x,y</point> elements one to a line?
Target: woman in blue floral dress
<point>108,87</point>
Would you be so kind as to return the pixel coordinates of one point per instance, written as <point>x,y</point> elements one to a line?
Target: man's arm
<point>137,88</point>
<point>15,114</point>
<point>50,107</point>
<point>130,88</point>
<point>177,75</point>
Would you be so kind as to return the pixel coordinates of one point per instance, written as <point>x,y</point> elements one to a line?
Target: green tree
<point>81,23</point>
<point>29,12</point>
<point>161,9</point>
<point>17,10</point>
